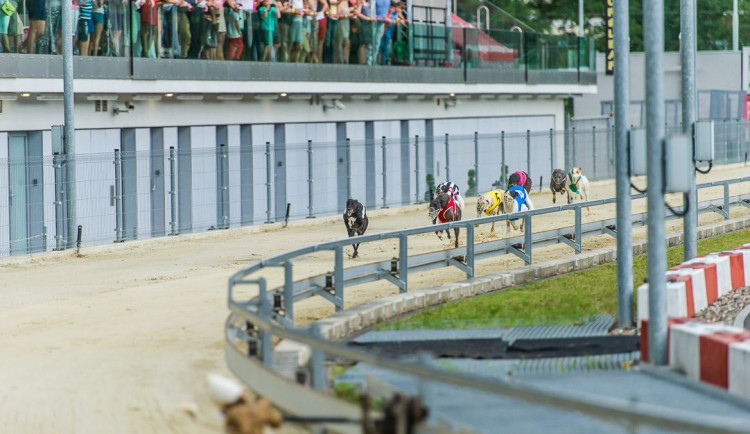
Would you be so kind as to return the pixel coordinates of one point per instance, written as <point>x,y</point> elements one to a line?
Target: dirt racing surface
<point>120,339</point>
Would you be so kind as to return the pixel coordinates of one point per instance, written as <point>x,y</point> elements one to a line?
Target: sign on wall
<point>609,53</point>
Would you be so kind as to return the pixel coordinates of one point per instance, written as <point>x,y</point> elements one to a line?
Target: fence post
<point>269,174</point>
<point>289,292</point>
<point>527,240</point>
<point>416,167</point>
<point>59,200</point>
<point>223,187</point>
<point>310,180</point>
<point>266,339</point>
<point>578,231</point>
<point>118,197</point>
<point>338,277</point>
<point>403,265</point>
<point>573,154</point>
<point>348,169</point>
<point>476,163</point>
<point>385,176</point>
<point>528,152</point>
<point>503,172</point>
<point>317,370</point>
<point>726,201</point>
<point>470,251</point>
<point>447,158</point>
<point>172,191</point>
<point>551,150</point>
<point>593,147</point>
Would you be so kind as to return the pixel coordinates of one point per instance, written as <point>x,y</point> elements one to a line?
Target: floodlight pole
<point>69,147</point>
<point>653,37</point>
<point>689,108</point>
<point>735,26</point>
<point>622,178</point>
<point>580,18</point>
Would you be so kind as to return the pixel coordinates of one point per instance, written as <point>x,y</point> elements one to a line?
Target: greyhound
<point>356,221</point>
<point>444,208</point>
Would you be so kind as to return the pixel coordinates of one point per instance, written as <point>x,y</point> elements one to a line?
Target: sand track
<point>120,340</point>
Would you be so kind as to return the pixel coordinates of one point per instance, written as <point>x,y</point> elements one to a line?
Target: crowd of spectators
<point>311,31</point>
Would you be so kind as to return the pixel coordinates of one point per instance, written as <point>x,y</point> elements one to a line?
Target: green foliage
<point>714,20</point>
<point>568,299</point>
<point>472,191</point>
<point>430,187</point>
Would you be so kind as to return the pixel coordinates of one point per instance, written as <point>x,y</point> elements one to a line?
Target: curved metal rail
<point>271,313</point>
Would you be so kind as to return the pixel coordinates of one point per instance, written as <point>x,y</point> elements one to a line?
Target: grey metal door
<point>17,200</point>
<point>158,208</point>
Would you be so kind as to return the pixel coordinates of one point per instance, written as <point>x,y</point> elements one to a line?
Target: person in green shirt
<point>269,14</point>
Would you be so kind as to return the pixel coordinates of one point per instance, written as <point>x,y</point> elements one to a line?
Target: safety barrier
<point>257,320</point>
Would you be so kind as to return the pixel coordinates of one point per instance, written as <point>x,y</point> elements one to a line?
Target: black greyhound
<point>515,179</point>
<point>355,220</point>
<point>445,209</point>
<point>557,183</point>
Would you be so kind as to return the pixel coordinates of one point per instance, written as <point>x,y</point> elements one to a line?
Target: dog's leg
<point>554,197</point>
<point>492,230</point>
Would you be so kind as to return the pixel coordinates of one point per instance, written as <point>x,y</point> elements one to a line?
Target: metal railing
<point>271,313</point>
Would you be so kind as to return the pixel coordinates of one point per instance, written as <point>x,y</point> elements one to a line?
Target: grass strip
<point>572,298</point>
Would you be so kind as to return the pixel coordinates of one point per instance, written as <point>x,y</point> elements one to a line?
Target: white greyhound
<point>577,184</point>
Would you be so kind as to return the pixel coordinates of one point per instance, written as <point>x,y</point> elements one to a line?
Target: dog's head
<point>558,176</point>
<point>576,172</point>
<point>509,198</point>
<point>482,205</point>
<point>352,206</point>
<point>514,179</point>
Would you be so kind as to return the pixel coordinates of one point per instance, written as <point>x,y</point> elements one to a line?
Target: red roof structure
<point>489,49</point>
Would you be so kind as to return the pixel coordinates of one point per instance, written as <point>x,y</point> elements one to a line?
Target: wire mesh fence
<point>165,181</point>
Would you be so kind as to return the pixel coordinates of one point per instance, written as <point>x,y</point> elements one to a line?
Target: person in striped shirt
<point>85,26</point>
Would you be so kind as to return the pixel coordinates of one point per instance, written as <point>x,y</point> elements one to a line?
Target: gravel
<point>725,309</point>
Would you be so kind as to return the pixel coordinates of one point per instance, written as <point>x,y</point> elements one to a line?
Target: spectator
<point>8,16</point>
<point>364,13</point>
<point>341,42</point>
<point>184,7</point>
<point>116,14</point>
<point>381,12</point>
<point>268,16</point>
<point>281,32</point>
<point>318,31</point>
<point>36,10</point>
<point>333,21</point>
<point>85,26</point>
<point>235,24</point>
<point>393,19</point>
<point>296,31</point>
<point>98,19</point>
<point>210,31</point>
<point>149,25</point>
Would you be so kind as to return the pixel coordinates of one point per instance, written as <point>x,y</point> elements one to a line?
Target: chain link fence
<point>167,181</point>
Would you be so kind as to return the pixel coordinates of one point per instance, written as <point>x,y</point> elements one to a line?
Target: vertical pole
<point>269,174</point>
<point>653,25</point>
<point>173,191</point>
<point>476,163</point>
<point>403,265</point>
<point>527,241</point>
<point>223,222</point>
<point>503,172</point>
<point>338,277</point>
<point>689,110</point>
<point>447,158</point>
<point>593,149</point>
<point>580,18</point>
<point>622,181</point>
<point>310,180</point>
<point>69,145</point>
<point>573,157</point>
<point>551,150</point>
<point>470,251</point>
<point>59,198</point>
<point>528,152</point>
<point>578,230</point>
<point>317,370</point>
<point>735,27</point>
<point>348,168</point>
<point>385,177</point>
<point>118,197</point>
<point>288,292</point>
<point>726,201</point>
<point>266,340</point>
<point>416,168</point>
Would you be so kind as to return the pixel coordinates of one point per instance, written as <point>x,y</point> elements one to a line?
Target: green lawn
<point>569,299</point>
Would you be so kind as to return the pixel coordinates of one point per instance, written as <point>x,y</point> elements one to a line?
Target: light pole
<point>735,26</point>
<point>580,18</point>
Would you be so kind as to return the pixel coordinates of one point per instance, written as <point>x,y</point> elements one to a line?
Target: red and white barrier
<point>711,353</point>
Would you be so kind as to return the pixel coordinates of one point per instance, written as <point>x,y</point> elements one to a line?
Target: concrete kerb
<point>342,325</point>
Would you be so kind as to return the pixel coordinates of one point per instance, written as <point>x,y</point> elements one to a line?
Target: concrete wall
<point>716,70</point>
